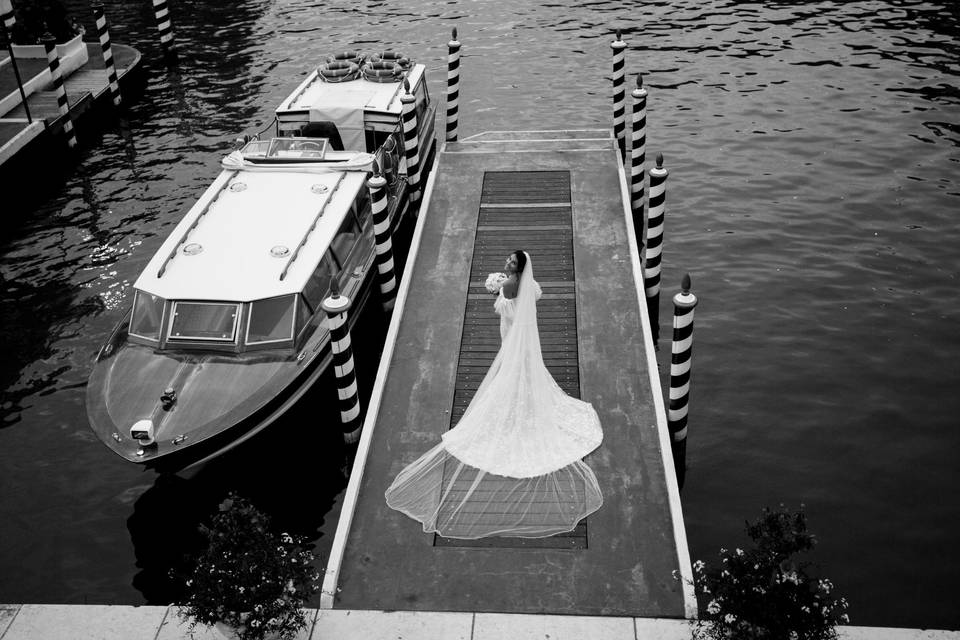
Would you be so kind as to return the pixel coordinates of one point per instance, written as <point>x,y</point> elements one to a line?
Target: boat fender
<point>382,71</point>
<point>392,56</point>
<point>338,71</point>
<point>350,56</point>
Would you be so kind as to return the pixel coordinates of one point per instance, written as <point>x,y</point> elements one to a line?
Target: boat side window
<point>361,206</point>
<point>319,282</point>
<point>423,99</point>
<point>303,314</point>
<point>147,317</point>
<point>204,321</point>
<point>345,239</point>
<point>271,320</point>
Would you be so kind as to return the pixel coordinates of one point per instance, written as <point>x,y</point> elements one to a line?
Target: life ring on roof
<point>392,56</point>
<point>382,71</point>
<point>338,71</point>
<point>350,56</point>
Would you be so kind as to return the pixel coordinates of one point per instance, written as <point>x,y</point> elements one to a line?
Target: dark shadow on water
<point>293,471</point>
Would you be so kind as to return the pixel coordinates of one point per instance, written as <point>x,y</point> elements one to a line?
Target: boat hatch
<point>280,150</point>
<point>204,321</point>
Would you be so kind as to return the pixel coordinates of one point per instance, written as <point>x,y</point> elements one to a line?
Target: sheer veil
<point>513,464</point>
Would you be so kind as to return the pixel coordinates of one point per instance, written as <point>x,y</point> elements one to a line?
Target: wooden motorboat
<point>226,330</point>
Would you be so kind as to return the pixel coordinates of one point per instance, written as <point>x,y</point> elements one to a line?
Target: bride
<point>513,464</point>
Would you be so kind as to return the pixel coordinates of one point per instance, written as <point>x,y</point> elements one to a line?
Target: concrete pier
<point>561,196</point>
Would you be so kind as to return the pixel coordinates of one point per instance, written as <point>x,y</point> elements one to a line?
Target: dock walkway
<point>558,195</point>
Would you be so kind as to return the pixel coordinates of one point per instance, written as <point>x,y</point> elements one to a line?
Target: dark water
<point>813,152</point>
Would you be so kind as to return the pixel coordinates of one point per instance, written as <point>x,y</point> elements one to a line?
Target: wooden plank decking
<point>559,197</point>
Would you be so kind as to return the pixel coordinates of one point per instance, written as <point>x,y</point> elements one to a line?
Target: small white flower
<point>729,618</point>
<point>713,607</point>
<point>495,282</point>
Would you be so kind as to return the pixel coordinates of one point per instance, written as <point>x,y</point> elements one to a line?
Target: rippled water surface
<point>813,152</point>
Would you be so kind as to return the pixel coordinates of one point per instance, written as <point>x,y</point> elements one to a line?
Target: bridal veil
<point>513,464</point>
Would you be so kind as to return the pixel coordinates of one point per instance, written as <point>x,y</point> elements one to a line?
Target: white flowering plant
<point>249,577</point>
<point>763,592</point>
<point>495,282</point>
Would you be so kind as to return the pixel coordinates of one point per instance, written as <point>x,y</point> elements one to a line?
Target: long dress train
<point>513,464</point>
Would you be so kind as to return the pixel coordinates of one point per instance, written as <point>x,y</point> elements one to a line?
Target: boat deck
<point>558,196</point>
<point>83,86</point>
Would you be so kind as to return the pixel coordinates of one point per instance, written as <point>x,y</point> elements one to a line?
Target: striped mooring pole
<point>103,32</point>
<point>162,14</point>
<point>638,143</point>
<point>654,244</point>
<point>619,94</point>
<point>410,143</point>
<point>453,87</point>
<point>53,62</point>
<point>384,242</point>
<point>680,358</point>
<point>336,307</point>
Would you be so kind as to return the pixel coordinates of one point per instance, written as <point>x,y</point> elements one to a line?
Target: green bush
<point>249,577</point>
<point>763,592</point>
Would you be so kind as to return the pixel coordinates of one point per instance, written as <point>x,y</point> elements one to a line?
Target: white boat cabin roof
<point>345,101</point>
<point>226,247</point>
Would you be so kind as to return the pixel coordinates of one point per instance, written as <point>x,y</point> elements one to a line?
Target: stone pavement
<point>113,622</point>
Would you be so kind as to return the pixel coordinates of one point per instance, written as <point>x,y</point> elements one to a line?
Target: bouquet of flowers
<point>495,281</point>
<point>249,579</point>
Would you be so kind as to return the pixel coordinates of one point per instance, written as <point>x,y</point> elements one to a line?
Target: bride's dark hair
<point>521,260</point>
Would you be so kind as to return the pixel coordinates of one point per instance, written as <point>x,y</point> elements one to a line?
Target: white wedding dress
<point>513,464</point>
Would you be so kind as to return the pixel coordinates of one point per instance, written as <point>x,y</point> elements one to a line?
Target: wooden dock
<point>559,196</point>
<point>84,87</point>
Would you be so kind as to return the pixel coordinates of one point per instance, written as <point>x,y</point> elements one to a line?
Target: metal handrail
<point>306,236</point>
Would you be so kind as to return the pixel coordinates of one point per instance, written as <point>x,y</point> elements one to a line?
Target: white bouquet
<point>495,281</point>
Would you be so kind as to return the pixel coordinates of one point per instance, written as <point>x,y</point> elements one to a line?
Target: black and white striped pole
<point>53,62</point>
<point>453,87</point>
<point>336,307</point>
<point>619,94</point>
<point>638,143</point>
<point>164,26</point>
<point>654,244</point>
<point>103,32</point>
<point>680,359</point>
<point>410,143</point>
<point>377,185</point>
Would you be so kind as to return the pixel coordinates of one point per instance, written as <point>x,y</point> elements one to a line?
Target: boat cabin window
<point>147,317</point>
<point>319,282</point>
<point>361,206</point>
<point>271,320</point>
<point>204,321</point>
<point>423,99</point>
<point>303,313</point>
<point>345,239</point>
<point>323,129</point>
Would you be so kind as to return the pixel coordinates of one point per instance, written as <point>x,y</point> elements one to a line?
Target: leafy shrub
<point>249,577</point>
<point>762,592</point>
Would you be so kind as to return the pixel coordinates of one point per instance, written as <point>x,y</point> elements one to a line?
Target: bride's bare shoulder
<point>510,288</point>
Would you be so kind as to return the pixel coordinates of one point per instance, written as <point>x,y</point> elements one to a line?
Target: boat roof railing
<point>193,225</point>
<point>313,225</point>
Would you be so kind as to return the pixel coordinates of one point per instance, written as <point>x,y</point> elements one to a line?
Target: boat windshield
<point>271,320</point>
<point>147,316</point>
<point>302,149</point>
<point>203,321</point>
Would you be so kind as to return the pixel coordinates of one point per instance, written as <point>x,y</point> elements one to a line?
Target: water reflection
<point>292,472</point>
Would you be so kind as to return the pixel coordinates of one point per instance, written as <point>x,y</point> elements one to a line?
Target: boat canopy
<point>352,105</point>
<point>252,235</point>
